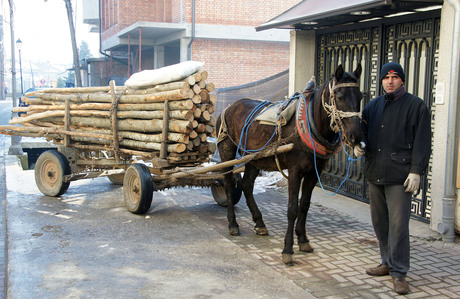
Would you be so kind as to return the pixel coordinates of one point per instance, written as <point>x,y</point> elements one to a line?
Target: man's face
<point>391,83</point>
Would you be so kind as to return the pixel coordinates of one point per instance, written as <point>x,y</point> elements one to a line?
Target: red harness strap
<point>302,127</point>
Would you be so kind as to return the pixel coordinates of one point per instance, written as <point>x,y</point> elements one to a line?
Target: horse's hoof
<point>288,259</point>
<point>261,231</point>
<point>234,231</point>
<point>306,247</point>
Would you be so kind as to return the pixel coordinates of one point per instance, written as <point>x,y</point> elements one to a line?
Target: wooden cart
<point>55,170</point>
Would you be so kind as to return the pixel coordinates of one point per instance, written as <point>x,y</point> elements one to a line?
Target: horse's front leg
<point>247,184</point>
<point>293,208</point>
<point>308,184</point>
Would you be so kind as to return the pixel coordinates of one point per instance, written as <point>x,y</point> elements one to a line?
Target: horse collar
<point>309,133</point>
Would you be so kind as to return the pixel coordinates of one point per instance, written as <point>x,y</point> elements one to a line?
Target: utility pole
<point>2,62</point>
<point>15,148</point>
<point>76,59</point>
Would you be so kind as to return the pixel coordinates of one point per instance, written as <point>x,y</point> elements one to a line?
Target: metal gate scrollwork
<point>414,43</point>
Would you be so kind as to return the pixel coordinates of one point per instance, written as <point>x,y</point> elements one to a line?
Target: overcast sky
<point>44,31</point>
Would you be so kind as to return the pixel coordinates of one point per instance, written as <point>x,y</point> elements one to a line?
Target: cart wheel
<point>117,179</point>
<point>138,188</point>
<point>50,169</point>
<point>218,191</point>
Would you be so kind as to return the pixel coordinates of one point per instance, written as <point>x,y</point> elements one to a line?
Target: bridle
<point>333,113</point>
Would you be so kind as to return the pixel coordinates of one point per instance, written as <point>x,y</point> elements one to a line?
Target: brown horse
<point>338,98</point>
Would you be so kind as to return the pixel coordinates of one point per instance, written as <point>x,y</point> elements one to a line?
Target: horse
<point>333,111</point>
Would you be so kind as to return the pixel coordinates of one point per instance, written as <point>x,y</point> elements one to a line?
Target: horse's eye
<point>339,96</point>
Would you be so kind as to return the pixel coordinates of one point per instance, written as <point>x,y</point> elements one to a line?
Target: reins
<point>336,125</point>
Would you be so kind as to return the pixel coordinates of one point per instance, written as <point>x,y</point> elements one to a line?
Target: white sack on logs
<point>165,74</point>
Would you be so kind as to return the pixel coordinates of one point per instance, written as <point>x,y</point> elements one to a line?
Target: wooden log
<point>197,113</point>
<point>196,141</point>
<point>105,148</point>
<point>205,98</point>
<point>190,94</point>
<point>202,84</point>
<point>44,131</point>
<point>196,99</point>
<point>175,114</point>
<point>193,134</point>
<point>204,75</point>
<point>183,86</point>
<point>190,80</point>
<point>209,129</point>
<point>201,128</point>
<point>210,87</point>
<point>196,89</point>
<point>202,148</point>
<point>75,90</point>
<point>175,147</point>
<point>205,116</point>
<point>212,99</point>
<point>174,105</point>
<point>164,133</point>
<point>136,125</point>
<point>197,76</point>
<point>194,124</point>
<point>208,107</point>
<point>202,137</point>
<point>212,147</point>
<point>172,137</point>
<point>171,95</point>
<point>113,120</point>
<point>226,164</point>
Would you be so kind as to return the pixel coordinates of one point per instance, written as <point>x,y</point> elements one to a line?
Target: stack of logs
<point>125,121</point>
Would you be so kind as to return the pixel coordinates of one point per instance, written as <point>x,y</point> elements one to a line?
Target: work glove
<point>358,150</point>
<point>412,182</point>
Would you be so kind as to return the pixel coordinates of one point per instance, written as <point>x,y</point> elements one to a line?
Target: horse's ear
<point>339,72</point>
<point>358,71</point>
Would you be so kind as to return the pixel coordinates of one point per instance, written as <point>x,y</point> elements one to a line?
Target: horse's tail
<point>222,129</point>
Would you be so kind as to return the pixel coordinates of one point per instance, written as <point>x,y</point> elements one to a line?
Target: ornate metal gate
<point>413,41</point>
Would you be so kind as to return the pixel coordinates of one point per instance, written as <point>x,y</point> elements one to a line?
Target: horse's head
<point>341,99</point>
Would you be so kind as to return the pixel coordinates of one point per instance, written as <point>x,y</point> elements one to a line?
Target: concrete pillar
<point>440,133</point>
<point>159,57</point>
<point>184,48</point>
<point>301,59</point>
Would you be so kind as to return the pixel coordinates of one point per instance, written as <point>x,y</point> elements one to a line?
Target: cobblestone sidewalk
<point>344,247</point>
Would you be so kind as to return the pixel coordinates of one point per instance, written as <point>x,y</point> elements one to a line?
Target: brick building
<point>147,34</point>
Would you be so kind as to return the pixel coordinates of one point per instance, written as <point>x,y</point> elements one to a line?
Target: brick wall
<point>220,12</point>
<point>233,63</point>
<point>238,12</point>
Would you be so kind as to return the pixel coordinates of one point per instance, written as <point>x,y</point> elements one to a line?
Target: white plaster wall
<point>301,59</point>
<point>441,120</point>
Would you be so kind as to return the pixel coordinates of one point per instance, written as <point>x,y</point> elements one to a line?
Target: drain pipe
<point>189,47</point>
<point>446,227</point>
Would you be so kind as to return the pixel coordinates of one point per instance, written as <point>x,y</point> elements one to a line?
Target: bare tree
<point>76,60</point>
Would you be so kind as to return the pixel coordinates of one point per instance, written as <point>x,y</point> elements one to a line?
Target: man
<point>397,136</point>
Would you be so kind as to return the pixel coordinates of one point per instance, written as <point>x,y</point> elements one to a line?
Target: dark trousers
<point>390,212</point>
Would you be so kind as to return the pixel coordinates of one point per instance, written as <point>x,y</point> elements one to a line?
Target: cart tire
<point>138,188</point>
<point>117,179</point>
<point>218,191</point>
<point>50,169</point>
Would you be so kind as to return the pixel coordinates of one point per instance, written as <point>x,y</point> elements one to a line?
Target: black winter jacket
<point>397,134</point>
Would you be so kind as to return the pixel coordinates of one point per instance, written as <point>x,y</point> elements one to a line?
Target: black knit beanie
<point>392,68</point>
